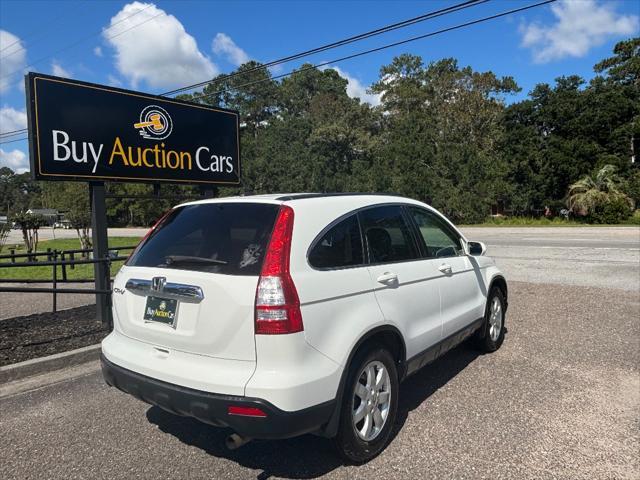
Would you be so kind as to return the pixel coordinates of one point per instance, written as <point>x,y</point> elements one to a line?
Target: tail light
<point>245,411</point>
<point>277,303</point>
<point>146,235</point>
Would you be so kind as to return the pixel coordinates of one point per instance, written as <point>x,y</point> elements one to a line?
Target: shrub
<point>634,219</point>
<point>614,211</point>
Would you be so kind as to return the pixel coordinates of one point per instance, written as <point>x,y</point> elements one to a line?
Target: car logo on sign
<point>155,123</point>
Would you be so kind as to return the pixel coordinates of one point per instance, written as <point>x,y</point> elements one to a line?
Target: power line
<point>373,50</point>
<point>12,132</point>
<point>340,43</point>
<point>82,40</point>
<point>14,136</point>
<point>346,41</point>
<point>11,141</point>
<point>384,47</point>
<point>38,34</point>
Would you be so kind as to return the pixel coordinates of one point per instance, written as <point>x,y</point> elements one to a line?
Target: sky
<point>157,46</point>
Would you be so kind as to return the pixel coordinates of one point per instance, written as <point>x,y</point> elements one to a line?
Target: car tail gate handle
<point>159,286</point>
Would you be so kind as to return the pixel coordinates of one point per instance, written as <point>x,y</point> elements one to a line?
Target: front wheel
<point>369,406</point>
<point>491,335</point>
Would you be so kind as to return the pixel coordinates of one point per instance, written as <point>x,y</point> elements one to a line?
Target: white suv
<point>278,315</point>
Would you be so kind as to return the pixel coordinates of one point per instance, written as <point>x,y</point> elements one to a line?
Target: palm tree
<point>592,191</point>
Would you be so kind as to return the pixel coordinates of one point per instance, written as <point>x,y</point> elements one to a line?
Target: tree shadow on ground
<point>307,456</point>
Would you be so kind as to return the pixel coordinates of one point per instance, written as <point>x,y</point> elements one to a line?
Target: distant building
<point>51,215</point>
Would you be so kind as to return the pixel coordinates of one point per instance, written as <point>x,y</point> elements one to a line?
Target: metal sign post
<point>100,250</point>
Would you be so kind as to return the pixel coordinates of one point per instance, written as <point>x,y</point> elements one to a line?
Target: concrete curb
<point>16,371</point>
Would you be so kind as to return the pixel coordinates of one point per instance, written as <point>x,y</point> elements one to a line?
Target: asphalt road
<point>560,399</point>
<point>606,257</point>
<point>591,256</point>
<point>47,233</point>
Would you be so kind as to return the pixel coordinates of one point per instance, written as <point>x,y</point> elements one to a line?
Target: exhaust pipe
<point>235,441</point>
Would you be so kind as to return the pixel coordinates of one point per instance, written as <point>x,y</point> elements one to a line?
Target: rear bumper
<point>212,408</point>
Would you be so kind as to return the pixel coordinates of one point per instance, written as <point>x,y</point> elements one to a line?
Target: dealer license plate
<point>161,310</point>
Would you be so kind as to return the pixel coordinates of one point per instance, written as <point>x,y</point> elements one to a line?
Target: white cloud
<point>223,45</point>
<point>159,52</point>
<point>97,51</point>
<point>579,25</point>
<point>12,59</point>
<point>12,119</point>
<point>16,160</point>
<point>59,71</point>
<point>355,88</point>
<point>114,81</point>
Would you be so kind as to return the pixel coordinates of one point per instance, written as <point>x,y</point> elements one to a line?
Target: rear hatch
<point>191,284</point>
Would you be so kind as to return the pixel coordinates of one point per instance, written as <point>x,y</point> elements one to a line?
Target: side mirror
<point>477,248</point>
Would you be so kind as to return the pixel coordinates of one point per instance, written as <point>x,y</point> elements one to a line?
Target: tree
<point>81,221</point>
<point>564,131</point>
<point>600,197</point>
<point>624,66</point>
<point>17,191</point>
<point>29,224</point>
<point>5,228</point>
<point>442,135</point>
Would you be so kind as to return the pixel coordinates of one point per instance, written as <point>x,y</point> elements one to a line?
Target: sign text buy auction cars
<point>83,131</point>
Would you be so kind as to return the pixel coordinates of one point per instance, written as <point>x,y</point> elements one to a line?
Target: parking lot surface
<point>560,399</point>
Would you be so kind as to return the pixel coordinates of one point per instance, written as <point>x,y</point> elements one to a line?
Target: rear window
<point>339,247</point>
<point>227,238</point>
<point>387,235</point>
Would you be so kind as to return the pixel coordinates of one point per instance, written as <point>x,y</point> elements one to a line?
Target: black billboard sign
<point>84,131</point>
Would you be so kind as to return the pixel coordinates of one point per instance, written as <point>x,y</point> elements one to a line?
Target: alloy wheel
<point>371,401</point>
<point>495,319</point>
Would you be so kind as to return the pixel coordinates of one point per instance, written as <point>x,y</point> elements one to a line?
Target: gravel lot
<point>42,334</point>
<point>560,399</point>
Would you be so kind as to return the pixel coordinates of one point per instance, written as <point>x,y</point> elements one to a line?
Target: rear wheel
<point>491,335</point>
<point>369,406</point>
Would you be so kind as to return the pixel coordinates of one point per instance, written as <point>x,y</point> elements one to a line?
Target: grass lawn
<point>46,272</point>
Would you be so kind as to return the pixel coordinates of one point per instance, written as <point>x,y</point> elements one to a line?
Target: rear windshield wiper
<point>171,259</point>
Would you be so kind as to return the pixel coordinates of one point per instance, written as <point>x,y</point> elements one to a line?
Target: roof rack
<point>302,196</point>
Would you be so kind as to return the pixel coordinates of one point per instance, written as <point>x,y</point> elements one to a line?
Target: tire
<point>487,339</point>
<point>358,441</point>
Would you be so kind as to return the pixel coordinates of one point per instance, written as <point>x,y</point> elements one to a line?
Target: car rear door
<point>191,285</point>
<point>402,281</point>
<point>459,280</point>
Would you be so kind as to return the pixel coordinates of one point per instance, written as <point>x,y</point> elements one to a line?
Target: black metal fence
<point>63,260</point>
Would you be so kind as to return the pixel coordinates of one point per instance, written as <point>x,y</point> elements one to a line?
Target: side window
<point>387,234</point>
<point>439,239</point>
<point>340,246</point>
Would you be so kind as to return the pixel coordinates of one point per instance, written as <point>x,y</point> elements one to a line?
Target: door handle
<point>445,268</point>
<point>388,278</point>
